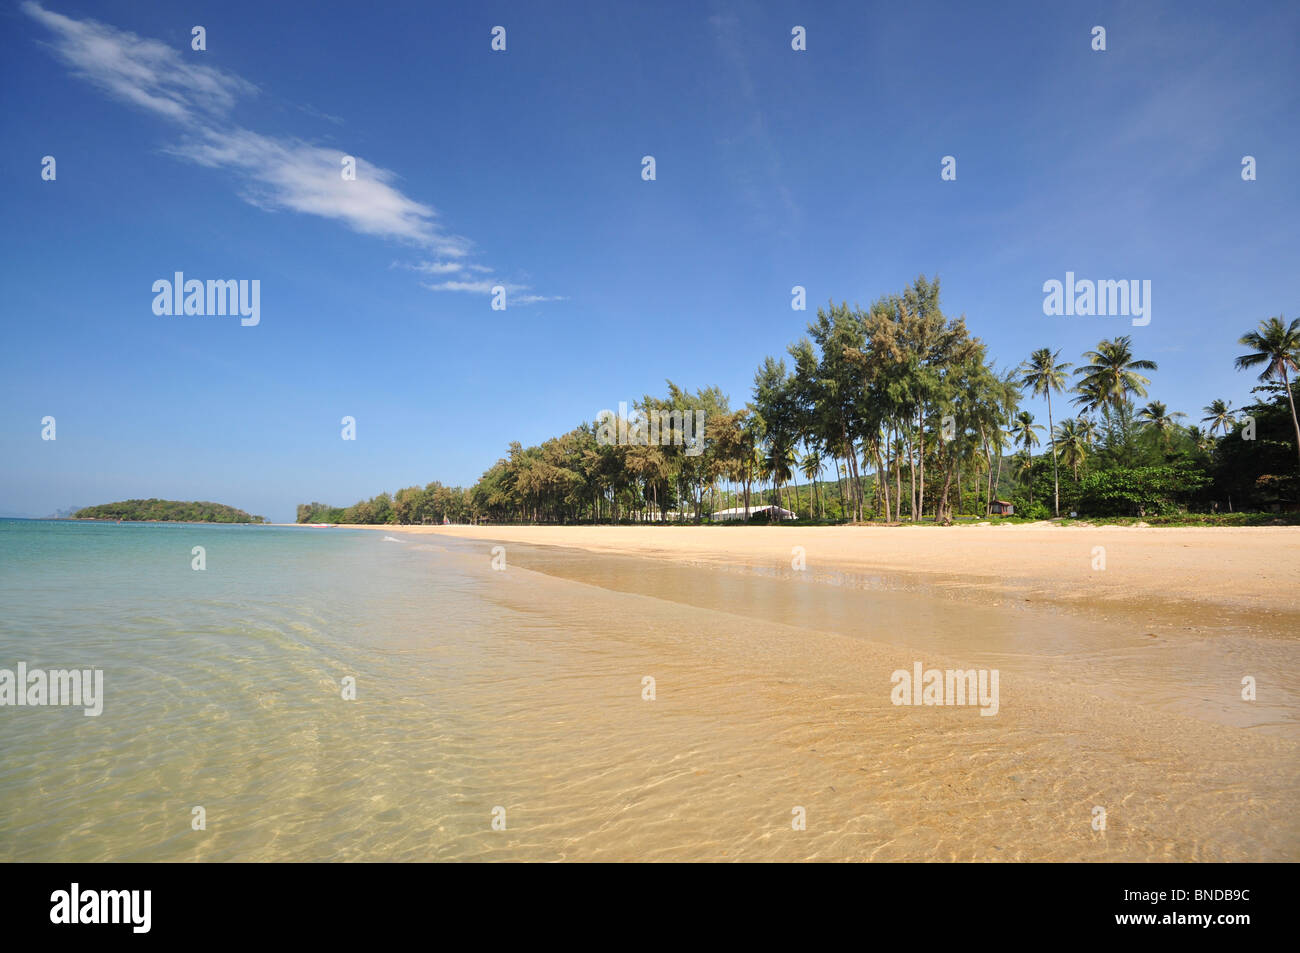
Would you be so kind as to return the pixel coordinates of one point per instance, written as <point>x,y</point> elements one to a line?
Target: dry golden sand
<point>1246,567</point>
<point>768,705</point>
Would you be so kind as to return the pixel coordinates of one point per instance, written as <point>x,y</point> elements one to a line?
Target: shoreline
<point>1225,569</point>
<point>526,688</point>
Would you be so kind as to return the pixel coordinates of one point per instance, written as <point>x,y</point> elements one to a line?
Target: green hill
<point>171,511</point>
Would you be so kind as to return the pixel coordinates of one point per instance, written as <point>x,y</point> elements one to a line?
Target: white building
<point>738,513</point>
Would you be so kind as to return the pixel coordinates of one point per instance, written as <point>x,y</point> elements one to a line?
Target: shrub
<point>1035,511</point>
<point>1138,491</point>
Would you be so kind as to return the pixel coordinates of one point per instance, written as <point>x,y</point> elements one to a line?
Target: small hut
<point>1002,508</point>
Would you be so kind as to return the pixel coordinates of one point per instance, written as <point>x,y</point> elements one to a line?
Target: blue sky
<point>523,168</point>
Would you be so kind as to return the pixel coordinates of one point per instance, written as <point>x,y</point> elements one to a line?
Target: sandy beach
<point>1120,689</point>
<point>715,705</point>
<point>1224,569</point>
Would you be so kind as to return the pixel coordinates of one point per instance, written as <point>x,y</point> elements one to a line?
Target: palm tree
<point>811,466</point>
<point>776,467</point>
<point>1090,396</point>
<point>1006,393</point>
<point>1277,347</point>
<point>999,440</point>
<point>1219,415</point>
<point>792,463</point>
<point>1156,416</point>
<point>1041,375</point>
<point>1088,427</point>
<point>1112,374</point>
<point>1071,441</point>
<point>1204,440</point>
<point>1022,432</point>
<point>762,468</point>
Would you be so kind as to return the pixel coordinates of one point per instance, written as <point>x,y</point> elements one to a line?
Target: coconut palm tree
<point>763,468</point>
<point>1219,415</point>
<point>984,412</point>
<point>811,466</point>
<point>1203,439</point>
<point>1277,347</point>
<point>1087,427</point>
<point>776,467</point>
<point>1156,416</point>
<point>1111,374</point>
<point>792,463</point>
<point>1071,442</point>
<point>1041,375</point>
<point>1022,432</point>
<point>1006,393</point>
<point>999,440</point>
<point>1090,396</point>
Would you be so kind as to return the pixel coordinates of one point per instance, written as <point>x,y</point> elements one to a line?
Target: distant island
<point>166,511</point>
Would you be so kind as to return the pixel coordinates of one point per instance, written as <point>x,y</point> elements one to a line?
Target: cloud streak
<point>143,72</point>
<point>274,172</point>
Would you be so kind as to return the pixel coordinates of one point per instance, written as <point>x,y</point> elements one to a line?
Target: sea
<point>330,694</point>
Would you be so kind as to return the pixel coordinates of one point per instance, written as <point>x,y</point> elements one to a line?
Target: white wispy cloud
<point>433,267</point>
<point>273,172</point>
<point>312,111</point>
<point>279,173</point>
<point>534,299</point>
<point>477,287</point>
<point>146,73</point>
<point>486,286</point>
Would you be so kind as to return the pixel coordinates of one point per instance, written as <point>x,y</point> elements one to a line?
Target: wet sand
<point>521,686</point>
<point>1247,568</point>
<point>774,693</point>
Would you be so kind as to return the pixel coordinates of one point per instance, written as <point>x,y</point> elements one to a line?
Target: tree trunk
<point>882,477</point>
<point>988,461</point>
<point>998,483</point>
<point>958,486</point>
<point>942,508</point>
<point>841,471</point>
<point>1056,479</point>
<point>898,488</point>
<point>920,442</point>
<point>1295,422</point>
<point>911,475</point>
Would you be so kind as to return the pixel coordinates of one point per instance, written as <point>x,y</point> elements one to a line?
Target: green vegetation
<point>1196,519</point>
<point>169,511</point>
<point>901,405</point>
<point>1148,490</point>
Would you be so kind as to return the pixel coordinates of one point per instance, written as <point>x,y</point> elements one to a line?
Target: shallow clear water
<point>523,690</point>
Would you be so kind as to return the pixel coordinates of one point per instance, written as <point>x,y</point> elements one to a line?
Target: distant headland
<point>166,511</point>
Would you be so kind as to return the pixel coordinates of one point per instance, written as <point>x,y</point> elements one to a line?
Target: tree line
<point>904,410</point>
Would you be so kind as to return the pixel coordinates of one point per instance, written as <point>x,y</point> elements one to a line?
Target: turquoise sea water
<point>223,689</point>
<point>523,690</point>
